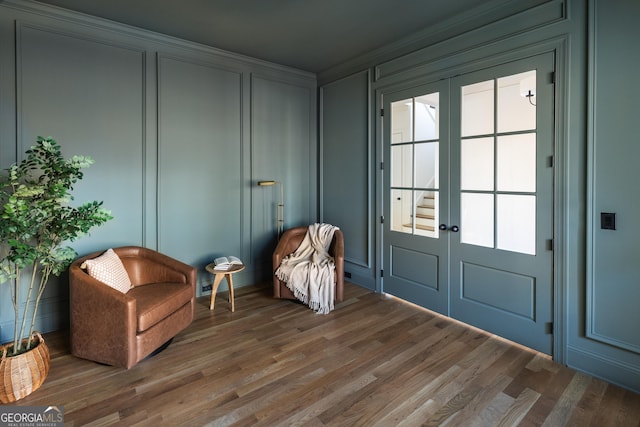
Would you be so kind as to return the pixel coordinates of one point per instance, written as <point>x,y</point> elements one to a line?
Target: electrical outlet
<point>206,288</point>
<point>347,275</point>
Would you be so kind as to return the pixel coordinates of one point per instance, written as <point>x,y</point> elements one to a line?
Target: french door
<point>468,198</point>
<point>417,195</point>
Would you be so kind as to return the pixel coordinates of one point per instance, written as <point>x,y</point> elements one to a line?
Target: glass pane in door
<point>426,114</point>
<point>516,216</point>
<point>401,211</point>
<point>516,102</point>
<point>401,161</point>
<point>402,123</point>
<point>476,217</point>
<point>426,165</point>
<point>426,214</point>
<point>516,167</point>
<point>477,109</point>
<point>476,163</point>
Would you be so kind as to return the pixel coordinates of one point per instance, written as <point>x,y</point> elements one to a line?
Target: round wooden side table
<point>219,275</point>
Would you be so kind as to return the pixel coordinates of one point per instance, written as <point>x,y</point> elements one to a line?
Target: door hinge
<point>381,165</point>
<point>550,244</point>
<point>381,219</point>
<point>552,77</point>
<point>550,161</point>
<point>548,328</point>
<point>381,273</point>
<point>382,112</point>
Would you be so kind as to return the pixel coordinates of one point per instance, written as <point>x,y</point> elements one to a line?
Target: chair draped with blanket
<point>308,265</point>
<point>127,302</point>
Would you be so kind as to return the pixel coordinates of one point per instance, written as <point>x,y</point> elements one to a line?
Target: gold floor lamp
<point>280,203</point>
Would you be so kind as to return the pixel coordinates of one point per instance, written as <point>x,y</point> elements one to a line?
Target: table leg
<point>214,288</point>
<point>231,296</point>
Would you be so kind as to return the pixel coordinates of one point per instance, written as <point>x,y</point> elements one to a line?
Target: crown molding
<point>94,23</point>
<point>474,19</point>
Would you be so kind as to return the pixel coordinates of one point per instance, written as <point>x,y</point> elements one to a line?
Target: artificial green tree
<point>36,220</point>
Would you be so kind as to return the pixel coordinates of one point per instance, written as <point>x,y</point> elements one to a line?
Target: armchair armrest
<point>338,257</point>
<point>287,244</point>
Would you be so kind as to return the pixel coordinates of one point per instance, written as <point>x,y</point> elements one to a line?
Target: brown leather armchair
<point>119,329</point>
<point>289,242</point>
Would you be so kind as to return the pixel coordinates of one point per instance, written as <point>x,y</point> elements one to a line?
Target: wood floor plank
<point>610,405</point>
<point>374,361</point>
<point>519,408</point>
<point>588,404</point>
<point>550,395</point>
<point>494,412</point>
<point>565,405</point>
<point>629,412</point>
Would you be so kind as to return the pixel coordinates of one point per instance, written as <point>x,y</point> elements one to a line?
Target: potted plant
<point>36,220</point>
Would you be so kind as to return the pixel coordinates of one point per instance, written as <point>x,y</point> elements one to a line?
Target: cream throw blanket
<point>309,271</point>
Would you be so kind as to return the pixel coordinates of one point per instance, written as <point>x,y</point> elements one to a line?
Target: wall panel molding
<point>612,291</point>
<point>347,177</point>
<point>283,146</point>
<point>47,77</point>
<point>200,174</point>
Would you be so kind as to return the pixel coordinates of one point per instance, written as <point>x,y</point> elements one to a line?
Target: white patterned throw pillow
<point>108,268</point>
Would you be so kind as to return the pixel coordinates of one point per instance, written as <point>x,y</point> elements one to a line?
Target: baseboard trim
<point>613,371</point>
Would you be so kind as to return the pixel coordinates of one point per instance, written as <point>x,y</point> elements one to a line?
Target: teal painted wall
<point>180,134</point>
<point>594,45</point>
<point>174,127</point>
<point>604,336</point>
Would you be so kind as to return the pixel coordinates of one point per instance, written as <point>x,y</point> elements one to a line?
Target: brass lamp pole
<point>280,203</point>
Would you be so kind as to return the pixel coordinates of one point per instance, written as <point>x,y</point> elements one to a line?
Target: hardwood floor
<point>374,361</point>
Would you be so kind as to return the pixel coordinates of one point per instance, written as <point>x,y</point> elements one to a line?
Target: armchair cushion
<point>156,302</point>
<point>108,269</point>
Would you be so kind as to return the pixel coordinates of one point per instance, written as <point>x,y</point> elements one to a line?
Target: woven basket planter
<point>23,374</point>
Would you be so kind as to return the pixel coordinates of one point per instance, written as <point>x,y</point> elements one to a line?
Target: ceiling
<point>311,35</point>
